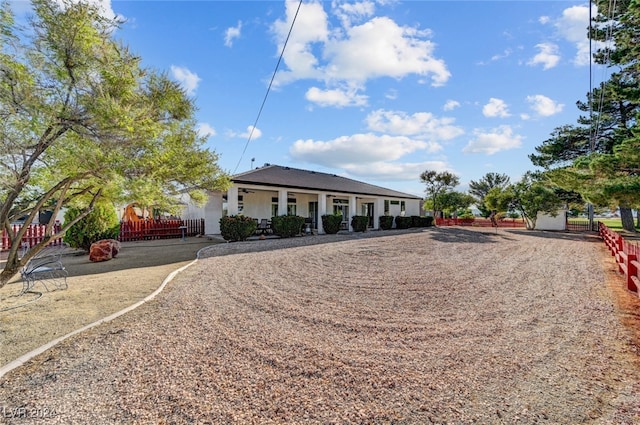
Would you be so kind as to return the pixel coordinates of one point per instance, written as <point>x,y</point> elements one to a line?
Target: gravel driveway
<point>444,325</point>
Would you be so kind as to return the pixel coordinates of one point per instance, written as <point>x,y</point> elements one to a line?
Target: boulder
<point>104,250</point>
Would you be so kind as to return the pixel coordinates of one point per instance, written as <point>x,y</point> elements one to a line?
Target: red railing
<point>479,222</point>
<point>129,231</point>
<point>627,255</point>
<point>33,236</point>
<point>159,229</point>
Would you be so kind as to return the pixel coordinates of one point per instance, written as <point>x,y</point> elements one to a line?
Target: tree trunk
<point>638,217</point>
<point>626,217</point>
<point>11,268</point>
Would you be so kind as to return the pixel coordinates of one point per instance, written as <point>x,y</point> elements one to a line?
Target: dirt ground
<point>95,290</point>
<point>443,325</point>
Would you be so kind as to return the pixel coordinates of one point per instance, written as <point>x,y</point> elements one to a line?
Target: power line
<point>264,100</point>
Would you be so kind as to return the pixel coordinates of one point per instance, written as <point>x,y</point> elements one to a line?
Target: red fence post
<point>632,271</point>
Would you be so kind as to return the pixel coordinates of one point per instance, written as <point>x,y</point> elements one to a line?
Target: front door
<point>367,209</point>
<point>313,214</point>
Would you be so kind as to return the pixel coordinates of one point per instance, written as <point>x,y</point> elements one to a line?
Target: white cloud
<point>103,6</point>
<point>495,108</point>
<point>547,56</point>
<point>450,105</point>
<point>498,139</point>
<point>256,134</point>
<point>381,48</point>
<point>422,125</point>
<point>311,28</point>
<point>394,171</point>
<point>355,149</point>
<point>573,26</point>
<point>352,55</point>
<point>232,33</point>
<point>544,20</point>
<point>205,130</point>
<point>186,78</point>
<point>349,12</point>
<point>336,97</point>
<point>544,106</point>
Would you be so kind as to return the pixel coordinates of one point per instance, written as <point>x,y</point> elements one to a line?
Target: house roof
<point>294,178</point>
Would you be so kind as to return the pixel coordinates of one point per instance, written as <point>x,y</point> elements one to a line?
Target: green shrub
<point>287,226</point>
<point>331,223</point>
<point>360,223</point>
<point>237,227</point>
<point>415,221</point>
<point>386,222</point>
<point>421,221</point>
<point>101,223</point>
<point>403,222</point>
<point>428,220</point>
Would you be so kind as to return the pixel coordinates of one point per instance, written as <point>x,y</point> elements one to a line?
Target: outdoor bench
<point>47,268</point>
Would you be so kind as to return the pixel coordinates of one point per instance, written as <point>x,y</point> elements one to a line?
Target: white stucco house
<point>274,190</point>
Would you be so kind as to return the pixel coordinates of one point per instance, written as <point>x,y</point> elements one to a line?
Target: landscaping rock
<point>104,250</point>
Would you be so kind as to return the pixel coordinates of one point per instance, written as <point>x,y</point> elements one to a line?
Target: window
<point>386,207</point>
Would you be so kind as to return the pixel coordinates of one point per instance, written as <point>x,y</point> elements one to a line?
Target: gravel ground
<point>451,325</point>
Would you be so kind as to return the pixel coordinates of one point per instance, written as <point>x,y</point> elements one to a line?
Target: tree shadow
<point>462,235</point>
<point>558,234</point>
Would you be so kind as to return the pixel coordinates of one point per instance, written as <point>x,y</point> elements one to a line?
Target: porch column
<point>378,210</point>
<point>322,210</point>
<point>282,202</point>
<point>232,201</point>
<point>353,210</point>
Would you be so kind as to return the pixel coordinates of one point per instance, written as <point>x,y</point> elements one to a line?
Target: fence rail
<point>577,225</point>
<point>33,236</point>
<point>160,229</point>
<point>627,255</point>
<point>129,231</point>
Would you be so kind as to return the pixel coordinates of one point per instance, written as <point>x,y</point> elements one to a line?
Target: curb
<point>31,354</point>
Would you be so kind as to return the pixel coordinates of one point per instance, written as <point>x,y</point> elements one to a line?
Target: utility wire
<point>264,100</point>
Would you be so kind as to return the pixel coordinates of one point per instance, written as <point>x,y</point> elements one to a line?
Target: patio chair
<point>263,227</point>
<point>45,267</point>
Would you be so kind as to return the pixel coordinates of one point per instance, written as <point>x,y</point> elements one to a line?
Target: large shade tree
<point>610,116</point>
<point>81,119</point>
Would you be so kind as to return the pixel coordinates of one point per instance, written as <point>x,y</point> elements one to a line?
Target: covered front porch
<point>262,202</point>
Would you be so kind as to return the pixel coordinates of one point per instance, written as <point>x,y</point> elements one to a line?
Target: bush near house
<point>386,222</point>
<point>403,222</point>
<point>101,223</point>
<point>235,228</point>
<point>421,221</point>
<point>360,223</point>
<point>287,226</point>
<point>331,223</point>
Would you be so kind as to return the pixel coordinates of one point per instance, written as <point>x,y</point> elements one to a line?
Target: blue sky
<point>377,91</point>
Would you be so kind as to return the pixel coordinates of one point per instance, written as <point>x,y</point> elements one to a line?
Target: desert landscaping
<point>438,325</point>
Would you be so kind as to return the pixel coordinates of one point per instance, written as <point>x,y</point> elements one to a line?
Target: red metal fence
<point>129,231</point>
<point>33,236</point>
<point>479,222</point>
<point>627,255</point>
<point>160,229</point>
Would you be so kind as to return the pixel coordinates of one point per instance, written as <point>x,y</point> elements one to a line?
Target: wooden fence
<point>33,236</point>
<point>129,231</point>
<point>479,222</point>
<point>627,257</point>
<point>160,229</point>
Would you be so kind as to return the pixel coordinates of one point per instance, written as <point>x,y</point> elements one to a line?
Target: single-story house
<point>274,190</point>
